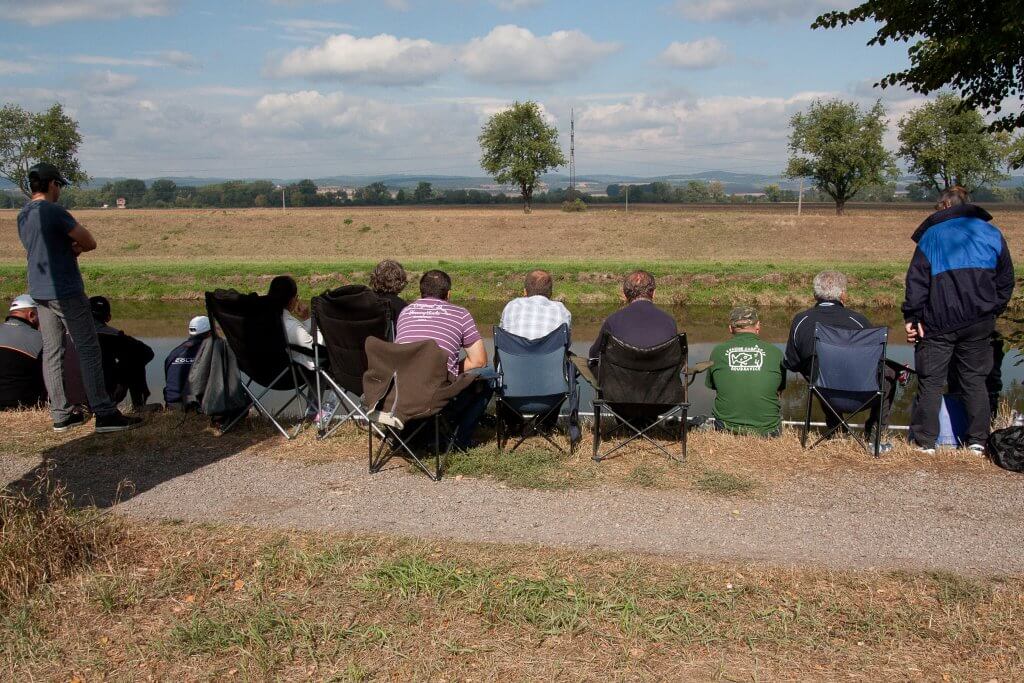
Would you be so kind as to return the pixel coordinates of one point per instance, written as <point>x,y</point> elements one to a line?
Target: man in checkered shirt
<point>535,315</point>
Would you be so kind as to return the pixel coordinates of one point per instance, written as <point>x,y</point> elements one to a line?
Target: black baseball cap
<point>100,307</point>
<point>45,171</point>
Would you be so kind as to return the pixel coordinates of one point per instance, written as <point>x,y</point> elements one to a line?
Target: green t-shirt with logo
<point>747,376</point>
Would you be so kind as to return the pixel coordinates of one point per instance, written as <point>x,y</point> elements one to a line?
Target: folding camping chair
<point>345,318</point>
<point>847,375</point>
<point>536,378</point>
<point>641,385</point>
<point>406,389</point>
<point>253,329</point>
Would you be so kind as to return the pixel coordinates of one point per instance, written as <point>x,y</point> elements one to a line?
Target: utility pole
<point>283,208</point>
<point>800,200</point>
<point>572,155</point>
<point>627,198</point>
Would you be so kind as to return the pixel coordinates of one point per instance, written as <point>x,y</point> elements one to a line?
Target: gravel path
<point>912,520</point>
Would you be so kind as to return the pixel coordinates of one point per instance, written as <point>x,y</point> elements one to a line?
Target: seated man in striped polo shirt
<point>452,328</point>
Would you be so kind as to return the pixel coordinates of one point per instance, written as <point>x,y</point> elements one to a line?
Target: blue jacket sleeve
<point>1005,279</point>
<point>919,277</point>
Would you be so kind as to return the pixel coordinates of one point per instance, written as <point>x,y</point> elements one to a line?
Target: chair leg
<point>597,433</point>
<point>683,434</point>
<point>878,427</point>
<point>499,426</point>
<point>807,418</point>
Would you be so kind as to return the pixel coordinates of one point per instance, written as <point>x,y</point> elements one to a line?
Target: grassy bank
<point>188,602</point>
<point>577,282</point>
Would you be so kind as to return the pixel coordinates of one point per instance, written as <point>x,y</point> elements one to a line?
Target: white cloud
<point>157,60</point>
<point>107,82</point>
<point>382,59</point>
<point>9,68</point>
<point>42,12</point>
<point>704,53</point>
<point>400,5</point>
<point>751,10</point>
<point>513,55</point>
<point>515,5</point>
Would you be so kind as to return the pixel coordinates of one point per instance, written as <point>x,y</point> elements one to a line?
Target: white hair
<point>829,285</point>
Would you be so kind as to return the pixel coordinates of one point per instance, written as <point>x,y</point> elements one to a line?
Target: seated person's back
<point>747,377</point>
<point>433,317</point>
<point>179,362</point>
<point>534,315</point>
<point>21,364</point>
<point>830,293</point>
<point>639,323</point>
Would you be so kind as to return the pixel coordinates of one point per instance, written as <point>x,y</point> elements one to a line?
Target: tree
<point>773,193</point>
<point>840,148</point>
<point>27,138</point>
<point>518,147</point>
<point>424,192</point>
<point>400,196</point>
<point>374,193</point>
<point>975,47</point>
<point>162,190</point>
<point>945,145</point>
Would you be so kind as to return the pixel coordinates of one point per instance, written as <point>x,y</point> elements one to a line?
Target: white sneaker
<point>926,451</point>
<point>976,448</point>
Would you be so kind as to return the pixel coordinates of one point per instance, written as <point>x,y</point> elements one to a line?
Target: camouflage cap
<point>743,316</point>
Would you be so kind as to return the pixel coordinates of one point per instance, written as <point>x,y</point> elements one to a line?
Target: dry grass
<point>202,603</point>
<point>679,234</point>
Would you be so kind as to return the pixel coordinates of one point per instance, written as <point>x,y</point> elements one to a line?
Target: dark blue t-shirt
<point>52,267</point>
<point>640,324</point>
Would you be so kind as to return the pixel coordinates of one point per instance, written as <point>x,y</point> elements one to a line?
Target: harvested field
<point>865,236</point>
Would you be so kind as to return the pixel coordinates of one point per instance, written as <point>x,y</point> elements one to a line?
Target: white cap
<point>199,325</point>
<point>22,303</point>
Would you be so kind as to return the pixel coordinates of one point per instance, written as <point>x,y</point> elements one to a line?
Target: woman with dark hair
<point>387,280</point>
<point>294,314</point>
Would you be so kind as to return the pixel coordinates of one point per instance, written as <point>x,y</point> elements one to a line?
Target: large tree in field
<point>518,147</point>
<point>840,148</point>
<point>26,138</point>
<point>945,144</point>
<point>973,47</point>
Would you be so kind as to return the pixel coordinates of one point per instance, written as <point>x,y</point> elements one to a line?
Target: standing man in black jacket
<point>959,281</point>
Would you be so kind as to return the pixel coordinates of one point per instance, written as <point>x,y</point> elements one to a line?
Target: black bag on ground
<point>1006,448</point>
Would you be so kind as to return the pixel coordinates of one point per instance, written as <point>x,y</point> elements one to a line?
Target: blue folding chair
<point>535,379</point>
<point>847,377</point>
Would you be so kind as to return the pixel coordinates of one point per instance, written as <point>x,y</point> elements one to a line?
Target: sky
<point>313,88</point>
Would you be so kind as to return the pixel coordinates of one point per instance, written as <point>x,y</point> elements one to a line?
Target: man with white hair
<point>21,357</point>
<point>830,309</point>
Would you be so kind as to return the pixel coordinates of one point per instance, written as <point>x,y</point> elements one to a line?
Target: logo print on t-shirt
<point>745,358</point>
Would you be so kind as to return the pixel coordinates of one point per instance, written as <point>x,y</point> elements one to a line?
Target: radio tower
<point>572,155</point>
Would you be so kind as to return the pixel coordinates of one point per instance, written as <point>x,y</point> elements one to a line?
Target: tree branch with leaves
<point>27,138</point>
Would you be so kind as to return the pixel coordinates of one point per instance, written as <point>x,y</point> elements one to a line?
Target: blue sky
<point>295,88</point>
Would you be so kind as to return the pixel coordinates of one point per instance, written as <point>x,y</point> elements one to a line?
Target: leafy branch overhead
<point>518,147</point>
<point>26,138</point>
<point>973,47</point>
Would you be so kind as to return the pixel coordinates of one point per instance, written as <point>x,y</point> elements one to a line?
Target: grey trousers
<point>72,314</point>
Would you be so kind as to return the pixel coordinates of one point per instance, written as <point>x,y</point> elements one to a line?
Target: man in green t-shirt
<point>747,377</point>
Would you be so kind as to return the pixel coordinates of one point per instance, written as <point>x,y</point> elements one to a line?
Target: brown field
<point>698,234</point>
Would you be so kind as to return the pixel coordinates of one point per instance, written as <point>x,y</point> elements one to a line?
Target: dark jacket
<point>177,366</point>
<point>21,365</point>
<point>124,366</point>
<point>640,324</point>
<point>961,272</point>
<point>800,345</point>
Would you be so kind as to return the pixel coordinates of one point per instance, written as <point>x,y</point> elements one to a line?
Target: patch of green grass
<point>114,592</point>
<point>530,468</point>
<point>954,589</point>
<point>365,228</point>
<point>646,475</point>
<point>720,483</point>
<point>348,221</point>
<point>130,247</point>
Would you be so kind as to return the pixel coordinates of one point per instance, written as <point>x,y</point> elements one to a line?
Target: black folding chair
<point>345,318</point>
<point>643,389</point>
<point>407,387</point>
<point>536,378</point>
<point>847,375</point>
<point>252,326</point>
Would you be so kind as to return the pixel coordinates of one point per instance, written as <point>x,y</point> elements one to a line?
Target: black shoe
<point>70,422</point>
<point>116,423</point>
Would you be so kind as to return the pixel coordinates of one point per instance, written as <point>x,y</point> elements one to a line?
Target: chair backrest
<point>532,367</point>
<point>410,380</point>
<point>848,360</point>
<point>642,376</point>
<point>252,326</point>
<point>346,317</point>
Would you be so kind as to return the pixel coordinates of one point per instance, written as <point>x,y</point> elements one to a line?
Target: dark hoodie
<point>961,272</point>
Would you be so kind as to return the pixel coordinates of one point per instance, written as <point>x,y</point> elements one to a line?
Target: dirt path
<point>915,520</point>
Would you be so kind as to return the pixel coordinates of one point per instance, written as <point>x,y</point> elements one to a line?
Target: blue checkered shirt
<point>534,317</point>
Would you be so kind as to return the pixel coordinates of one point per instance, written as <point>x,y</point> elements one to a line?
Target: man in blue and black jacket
<point>960,280</point>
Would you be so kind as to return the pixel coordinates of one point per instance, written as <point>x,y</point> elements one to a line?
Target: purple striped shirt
<point>451,327</point>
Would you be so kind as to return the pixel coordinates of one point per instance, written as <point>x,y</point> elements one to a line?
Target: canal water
<point>163,325</point>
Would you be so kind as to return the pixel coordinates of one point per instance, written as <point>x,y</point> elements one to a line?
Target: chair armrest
<point>584,369</point>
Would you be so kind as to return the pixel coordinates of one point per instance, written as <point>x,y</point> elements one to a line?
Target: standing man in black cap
<point>53,240</point>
